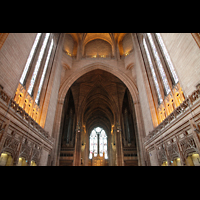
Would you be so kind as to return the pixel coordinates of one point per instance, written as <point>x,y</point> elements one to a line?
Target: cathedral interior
<point>99,99</point>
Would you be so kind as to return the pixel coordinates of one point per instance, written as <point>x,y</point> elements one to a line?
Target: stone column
<point>77,149</point>
<point>79,50</point>
<point>167,154</point>
<point>157,156</point>
<point>50,101</point>
<point>16,158</point>
<point>4,133</point>
<point>69,126</point>
<point>117,52</point>
<point>140,135</point>
<point>57,135</point>
<point>194,133</point>
<point>183,161</point>
<point>127,126</point>
<point>30,155</point>
<point>86,149</point>
<point>119,148</point>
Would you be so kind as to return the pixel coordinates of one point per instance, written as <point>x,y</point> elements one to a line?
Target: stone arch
<point>119,74</point>
<point>129,83</point>
<point>98,46</point>
<point>97,38</point>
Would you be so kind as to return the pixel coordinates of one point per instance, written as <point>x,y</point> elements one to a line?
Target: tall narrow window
<point>103,144</point>
<point>37,66</point>
<point>93,144</point>
<point>160,67</point>
<point>44,72</point>
<point>171,67</point>
<point>98,143</point>
<point>23,76</point>
<point>152,71</point>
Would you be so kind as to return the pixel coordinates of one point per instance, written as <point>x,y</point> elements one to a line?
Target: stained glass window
<point>94,142</point>
<point>44,72</point>
<point>152,71</point>
<point>160,67</point>
<point>23,76</point>
<point>37,66</point>
<point>171,67</point>
<point>103,144</point>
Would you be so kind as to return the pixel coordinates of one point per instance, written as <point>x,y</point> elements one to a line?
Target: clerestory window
<point>153,71</point>
<point>44,72</point>
<point>160,66</point>
<point>37,66</point>
<point>171,67</point>
<point>30,57</point>
<point>164,80</point>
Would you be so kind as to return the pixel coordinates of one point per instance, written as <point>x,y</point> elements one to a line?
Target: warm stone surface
<point>83,90</point>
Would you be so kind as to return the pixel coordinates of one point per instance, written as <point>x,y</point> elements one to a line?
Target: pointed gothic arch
<point>119,74</point>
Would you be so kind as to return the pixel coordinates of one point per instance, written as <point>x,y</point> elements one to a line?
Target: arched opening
<point>22,161</point>
<point>96,100</point>
<point>6,159</point>
<point>98,47</point>
<point>70,44</point>
<point>67,139</point>
<point>33,163</point>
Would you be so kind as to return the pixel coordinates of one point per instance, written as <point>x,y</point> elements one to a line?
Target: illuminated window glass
<point>152,71</point>
<point>171,67</point>
<point>94,143</point>
<point>23,76</point>
<point>160,67</point>
<point>44,72</point>
<point>37,66</point>
<point>103,144</point>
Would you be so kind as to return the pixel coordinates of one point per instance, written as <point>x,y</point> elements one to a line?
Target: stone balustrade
<point>180,109</point>
<point>21,112</point>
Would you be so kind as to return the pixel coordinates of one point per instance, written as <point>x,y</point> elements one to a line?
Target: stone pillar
<point>167,155</point>
<point>55,155</point>
<point>183,161</point>
<point>86,149</point>
<point>79,50</point>
<point>40,154</point>
<point>77,149</point>
<point>157,156</point>
<point>3,133</point>
<point>117,52</point>
<point>50,101</point>
<point>69,126</point>
<point>140,135</point>
<point>119,148</point>
<point>16,158</point>
<point>194,133</point>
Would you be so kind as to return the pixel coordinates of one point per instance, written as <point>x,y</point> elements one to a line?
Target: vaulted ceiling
<point>98,95</point>
<point>109,37</point>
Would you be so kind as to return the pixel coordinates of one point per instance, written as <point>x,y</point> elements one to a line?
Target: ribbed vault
<point>96,96</point>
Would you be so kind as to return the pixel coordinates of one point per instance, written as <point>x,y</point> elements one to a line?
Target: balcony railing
<point>180,109</point>
<point>12,104</point>
<point>99,56</point>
